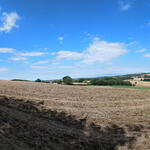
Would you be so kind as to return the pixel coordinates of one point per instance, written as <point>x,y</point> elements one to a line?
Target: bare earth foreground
<point>41,116</point>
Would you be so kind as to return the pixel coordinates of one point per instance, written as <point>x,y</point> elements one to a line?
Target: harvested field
<point>57,117</point>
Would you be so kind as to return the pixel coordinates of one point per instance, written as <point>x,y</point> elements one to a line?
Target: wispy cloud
<point>141,50</point>
<point>39,67</point>
<point>98,51</point>
<point>147,55</point>
<point>3,69</point>
<point>31,54</point>
<point>124,5</point>
<point>7,50</point>
<point>8,21</point>
<point>26,62</point>
<point>18,58</point>
<point>42,62</point>
<point>60,39</point>
<point>23,56</point>
<point>68,55</point>
<point>96,38</point>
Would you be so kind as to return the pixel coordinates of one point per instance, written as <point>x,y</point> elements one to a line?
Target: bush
<point>19,80</point>
<point>67,80</point>
<point>38,80</point>
<point>109,81</point>
<point>146,80</point>
<point>57,81</point>
<point>79,80</point>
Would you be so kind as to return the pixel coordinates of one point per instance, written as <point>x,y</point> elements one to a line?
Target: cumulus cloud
<point>31,54</point>
<point>8,21</point>
<point>3,69</point>
<point>98,51</point>
<point>7,50</point>
<point>102,51</point>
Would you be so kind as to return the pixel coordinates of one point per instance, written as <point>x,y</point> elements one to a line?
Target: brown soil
<point>41,116</point>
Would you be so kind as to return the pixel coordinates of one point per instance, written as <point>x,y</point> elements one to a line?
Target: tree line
<point>67,80</point>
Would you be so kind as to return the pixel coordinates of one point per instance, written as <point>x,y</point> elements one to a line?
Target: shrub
<point>19,80</point>
<point>59,82</point>
<point>67,80</point>
<point>109,81</point>
<point>81,80</point>
<point>146,80</point>
<point>38,80</point>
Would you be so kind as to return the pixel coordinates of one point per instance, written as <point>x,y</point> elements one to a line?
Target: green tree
<point>109,81</point>
<point>81,80</point>
<point>67,80</point>
<point>38,80</point>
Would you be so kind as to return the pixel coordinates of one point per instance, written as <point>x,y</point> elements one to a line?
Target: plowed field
<point>42,116</point>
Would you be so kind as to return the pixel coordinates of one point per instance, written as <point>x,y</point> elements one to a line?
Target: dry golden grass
<point>125,108</point>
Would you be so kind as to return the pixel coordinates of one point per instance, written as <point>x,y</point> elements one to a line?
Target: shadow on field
<point>28,125</point>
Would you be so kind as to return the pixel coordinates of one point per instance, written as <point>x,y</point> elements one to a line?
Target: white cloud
<point>22,56</point>
<point>26,62</point>
<point>3,69</point>
<point>142,50</point>
<point>7,50</point>
<point>31,54</point>
<point>133,44</point>
<point>88,34</point>
<point>18,58</point>
<point>98,51</point>
<point>53,53</point>
<point>60,38</point>
<point>102,51</point>
<point>8,21</point>
<point>147,55</point>
<point>42,62</point>
<point>96,38</point>
<point>65,67</point>
<point>124,5</point>
<point>39,67</point>
<point>69,55</point>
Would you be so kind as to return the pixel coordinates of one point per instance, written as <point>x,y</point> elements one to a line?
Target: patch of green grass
<point>132,87</point>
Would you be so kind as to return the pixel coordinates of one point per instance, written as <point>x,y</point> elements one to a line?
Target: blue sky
<point>49,39</point>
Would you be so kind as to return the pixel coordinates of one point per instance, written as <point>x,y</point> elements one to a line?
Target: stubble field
<point>44,116</point>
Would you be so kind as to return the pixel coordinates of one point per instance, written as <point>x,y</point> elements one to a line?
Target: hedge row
<point>109,81</point>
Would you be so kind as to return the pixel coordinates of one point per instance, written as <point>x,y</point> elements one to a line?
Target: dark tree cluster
<point>109,81</point>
